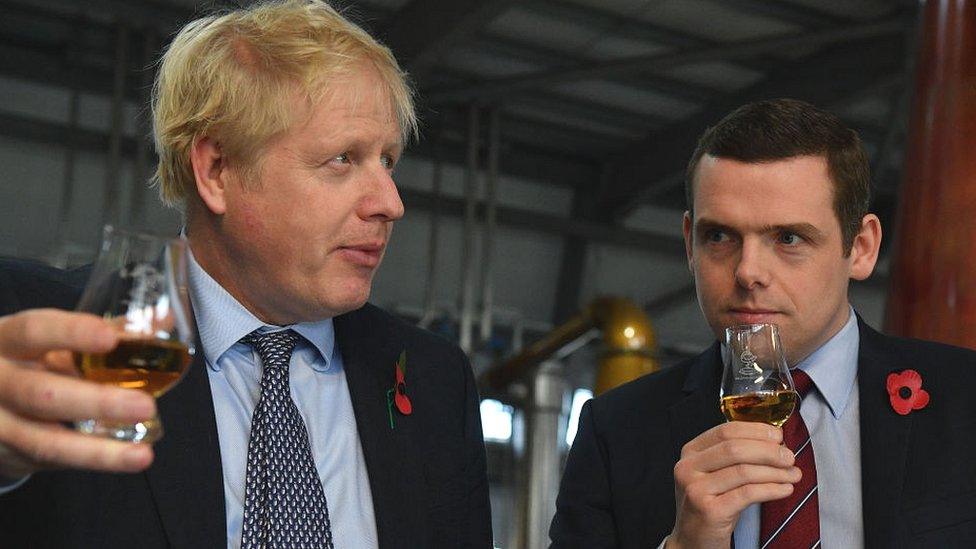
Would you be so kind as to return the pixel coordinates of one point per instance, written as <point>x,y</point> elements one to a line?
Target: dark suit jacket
<point>918,472</point>
<point>427,476</point>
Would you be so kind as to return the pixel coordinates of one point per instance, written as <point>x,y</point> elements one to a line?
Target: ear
<point>686,226</point>
<point>211,173</point>
<point>864,251</point>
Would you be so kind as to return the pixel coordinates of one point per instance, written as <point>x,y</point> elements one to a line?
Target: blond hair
<point>230,77</point>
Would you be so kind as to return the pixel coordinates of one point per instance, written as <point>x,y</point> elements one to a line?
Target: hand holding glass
<point>139,284</point>
<point>756,382</point>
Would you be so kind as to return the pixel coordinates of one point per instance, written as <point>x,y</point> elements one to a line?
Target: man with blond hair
<point>277,128</point>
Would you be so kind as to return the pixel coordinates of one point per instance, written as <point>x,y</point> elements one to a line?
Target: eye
<point>716,236</point>
<point>388,161</point>
<point>341,158</point>
<point>790,239</point>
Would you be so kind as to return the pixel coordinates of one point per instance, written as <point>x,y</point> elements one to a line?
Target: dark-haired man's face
<point>765,246</point>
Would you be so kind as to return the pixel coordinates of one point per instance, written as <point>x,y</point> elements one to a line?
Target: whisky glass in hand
<point>756,382</point>
<point>139,283</point>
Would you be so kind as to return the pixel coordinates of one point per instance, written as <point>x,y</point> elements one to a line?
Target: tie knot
<point>801,381</point>
<point>274,347</point>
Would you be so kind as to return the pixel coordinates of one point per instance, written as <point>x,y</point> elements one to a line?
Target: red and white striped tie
<point>794,522</point>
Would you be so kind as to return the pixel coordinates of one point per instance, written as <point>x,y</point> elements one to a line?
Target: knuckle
<point>8,430</point>
<point>36,398</point>
<point>40,450</point>
<point>741,471</point>
<point>725,432</point>
<point>681,470</point>
<point>734,450</point>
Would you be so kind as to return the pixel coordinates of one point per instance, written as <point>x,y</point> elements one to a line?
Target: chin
<point>345,299</point>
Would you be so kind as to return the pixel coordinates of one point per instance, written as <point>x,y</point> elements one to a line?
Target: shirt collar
<point>223,321</point>
<point>833,367</point>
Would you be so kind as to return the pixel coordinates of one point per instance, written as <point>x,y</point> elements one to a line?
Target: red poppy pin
<point>397,396</point>
<point>905,392</point>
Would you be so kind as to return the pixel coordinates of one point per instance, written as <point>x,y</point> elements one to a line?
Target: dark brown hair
<point>777,129</point>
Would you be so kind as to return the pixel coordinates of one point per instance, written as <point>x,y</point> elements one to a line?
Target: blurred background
<point>548,173</point>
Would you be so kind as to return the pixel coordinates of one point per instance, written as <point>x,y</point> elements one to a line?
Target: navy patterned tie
<point>284,503</point>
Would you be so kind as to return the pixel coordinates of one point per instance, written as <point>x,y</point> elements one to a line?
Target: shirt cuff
<point>8,485</point>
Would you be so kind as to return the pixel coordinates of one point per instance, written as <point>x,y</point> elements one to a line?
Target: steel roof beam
<point>504,87</point>
<point>820,79</point>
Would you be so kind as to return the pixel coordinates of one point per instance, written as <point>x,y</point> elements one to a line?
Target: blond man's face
<point>311,231</point>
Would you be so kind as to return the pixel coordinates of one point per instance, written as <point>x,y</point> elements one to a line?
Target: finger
<point>746,495</point>
<point>62,362</point>
<point>731,431</point>
<point>736,476</point>
<point>44,395</point>
<point>31,334</point>
<point>741,451</point>
<point>33,445</point>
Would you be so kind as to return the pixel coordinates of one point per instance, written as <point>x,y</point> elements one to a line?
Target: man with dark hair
<point>877,454</point>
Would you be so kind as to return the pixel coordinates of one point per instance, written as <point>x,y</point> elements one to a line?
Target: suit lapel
<point>369,353</point>
<point>699,410</point>
<point>186,478</point>
<point>884,441</point>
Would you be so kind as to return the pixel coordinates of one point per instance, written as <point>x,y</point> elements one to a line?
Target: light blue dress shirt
<point>831,414</point>
<point>319,389</point>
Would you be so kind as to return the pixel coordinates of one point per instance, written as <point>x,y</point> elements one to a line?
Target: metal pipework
<point>112,210</point>
<point>140,165</point>
<point>540,465</point>
<point>467,299</point>
<point>627,354</point>
<point>430,287</point>
<point>488,236</point>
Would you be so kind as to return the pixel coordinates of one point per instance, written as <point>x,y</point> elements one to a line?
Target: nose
<point>752,270</point>
<point>382,200</point>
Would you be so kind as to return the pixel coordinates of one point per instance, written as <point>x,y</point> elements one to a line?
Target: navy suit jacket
<point>918,472</point>
<point>427,476</point>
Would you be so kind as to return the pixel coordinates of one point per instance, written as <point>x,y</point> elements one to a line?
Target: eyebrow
<point>806,230</point>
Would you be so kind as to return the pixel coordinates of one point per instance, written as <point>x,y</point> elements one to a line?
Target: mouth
<point>750,315</point>
<point>363,254</point>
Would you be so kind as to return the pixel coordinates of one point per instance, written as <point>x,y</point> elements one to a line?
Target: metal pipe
<point>468,242</point>
<point>541,462</point>
<point>71,145</point>
<point>68,178</point>
<point>432,238</point>
<point>628,342</point>
<point>488,236</point>
<point>933,280</point>
<point>110,213</point>
<point>500,376</point>
<point>140,166</point>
